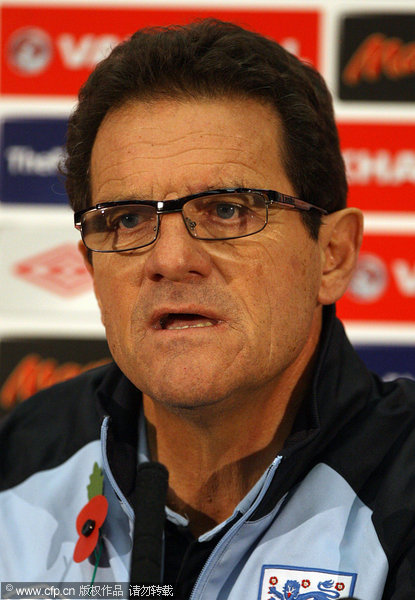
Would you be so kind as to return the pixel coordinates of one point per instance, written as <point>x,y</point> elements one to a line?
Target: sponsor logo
<point>380,164</point>
<point>59,270</point>
<point>377,57</point>
<point>370,279</point>
<point>34,373</point>
<point>297,583</point>
<point>383,286</point>
<point>29,51</point>
<point>30,152</point>
<point>29,365</point>
<point>53,49</point>
<point>86,51</point>
<point>25,160</point>
<point>381,167</point>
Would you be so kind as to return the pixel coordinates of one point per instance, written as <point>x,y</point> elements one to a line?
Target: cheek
<point>113,290</point>
<point>285,290</point>
<point>117,306</point>
<point>260,278</point>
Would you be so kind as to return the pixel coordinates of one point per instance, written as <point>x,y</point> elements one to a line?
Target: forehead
<point>183,147</point>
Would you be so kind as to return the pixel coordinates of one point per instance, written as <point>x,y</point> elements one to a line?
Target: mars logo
<point>377,57</point>
<point>370,279</point>
<point>296,583</point>
<point>29,51</point>
<point>59,270</point>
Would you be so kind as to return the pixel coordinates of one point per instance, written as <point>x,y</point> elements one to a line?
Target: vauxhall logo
<point>382,167</point>
<point>31,50</point>
<point>51,49</point>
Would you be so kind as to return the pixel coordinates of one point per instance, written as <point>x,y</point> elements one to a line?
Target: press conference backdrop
<point>49,323</point>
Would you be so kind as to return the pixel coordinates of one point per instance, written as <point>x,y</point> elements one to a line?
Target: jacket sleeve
<point>400,584</point>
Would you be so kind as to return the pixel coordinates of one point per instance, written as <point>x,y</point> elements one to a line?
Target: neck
<point>215,454</point>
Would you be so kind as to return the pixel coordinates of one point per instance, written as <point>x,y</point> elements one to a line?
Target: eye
<point>128,221</point>
<point>227,210</point>
<point>122,220</point>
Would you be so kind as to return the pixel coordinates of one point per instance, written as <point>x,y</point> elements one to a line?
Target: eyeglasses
<point>224,214</point>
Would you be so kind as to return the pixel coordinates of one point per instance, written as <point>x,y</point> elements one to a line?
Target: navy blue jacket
<point>333,515</point>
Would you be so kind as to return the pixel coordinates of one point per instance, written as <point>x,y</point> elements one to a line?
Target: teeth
<point>205,324</point>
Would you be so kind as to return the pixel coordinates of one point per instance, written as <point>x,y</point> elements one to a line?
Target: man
<point>204,169</point>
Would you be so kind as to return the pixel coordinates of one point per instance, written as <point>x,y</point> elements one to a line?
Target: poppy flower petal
<point>85,546</point>
<point>92,515</point>
<point>96,509</point>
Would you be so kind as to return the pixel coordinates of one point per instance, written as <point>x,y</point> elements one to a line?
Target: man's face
<point>253,302</point>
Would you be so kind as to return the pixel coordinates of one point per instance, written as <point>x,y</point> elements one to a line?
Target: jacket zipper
<point>224,541</point>
<point>127,508</point>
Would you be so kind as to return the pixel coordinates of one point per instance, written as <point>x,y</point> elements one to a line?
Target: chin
<point>190,408</point>
<point>184,400</point>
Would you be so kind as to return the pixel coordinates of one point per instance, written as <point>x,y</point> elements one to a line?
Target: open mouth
<point>176,321</point>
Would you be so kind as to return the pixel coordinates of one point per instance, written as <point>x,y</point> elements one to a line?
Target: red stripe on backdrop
<point>51,50</point>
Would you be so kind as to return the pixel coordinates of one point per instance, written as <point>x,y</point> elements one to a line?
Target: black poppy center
<point>88,527</point>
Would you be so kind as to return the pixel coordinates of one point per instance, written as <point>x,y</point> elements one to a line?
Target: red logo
<point>383,286</point>
<point>59,47</point>
<point>29,51</point>
<point>59,270</point>
<point>380,163</point>
<point>377,56</point>
<point>370,279</point>
<point>34,373</point>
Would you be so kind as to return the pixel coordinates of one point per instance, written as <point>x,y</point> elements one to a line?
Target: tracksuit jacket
<point>333,516</point>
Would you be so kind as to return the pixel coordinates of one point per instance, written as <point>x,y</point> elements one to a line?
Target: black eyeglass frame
<point>172,206</point>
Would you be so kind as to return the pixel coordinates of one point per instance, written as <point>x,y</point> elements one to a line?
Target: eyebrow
<point>136,197</point>
<point>119,198</point>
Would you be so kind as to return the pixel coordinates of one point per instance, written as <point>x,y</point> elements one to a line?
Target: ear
<point>340,238</point>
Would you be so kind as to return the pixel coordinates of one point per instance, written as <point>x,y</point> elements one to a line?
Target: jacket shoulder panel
<point>48,428</point>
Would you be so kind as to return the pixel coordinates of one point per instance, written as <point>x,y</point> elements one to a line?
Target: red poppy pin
<point>91,517</point>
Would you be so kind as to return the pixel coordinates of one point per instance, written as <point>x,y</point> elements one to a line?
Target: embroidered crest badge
<point>301,583</point>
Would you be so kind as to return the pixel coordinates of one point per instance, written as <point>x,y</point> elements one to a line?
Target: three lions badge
<point>279,582</point>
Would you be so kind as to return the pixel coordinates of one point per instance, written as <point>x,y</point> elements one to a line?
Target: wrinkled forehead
<point>170,146</point>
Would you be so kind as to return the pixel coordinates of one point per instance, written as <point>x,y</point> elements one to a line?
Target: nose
<point>176,255</point>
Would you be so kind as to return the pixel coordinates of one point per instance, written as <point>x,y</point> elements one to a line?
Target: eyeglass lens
<point>130,226</point>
